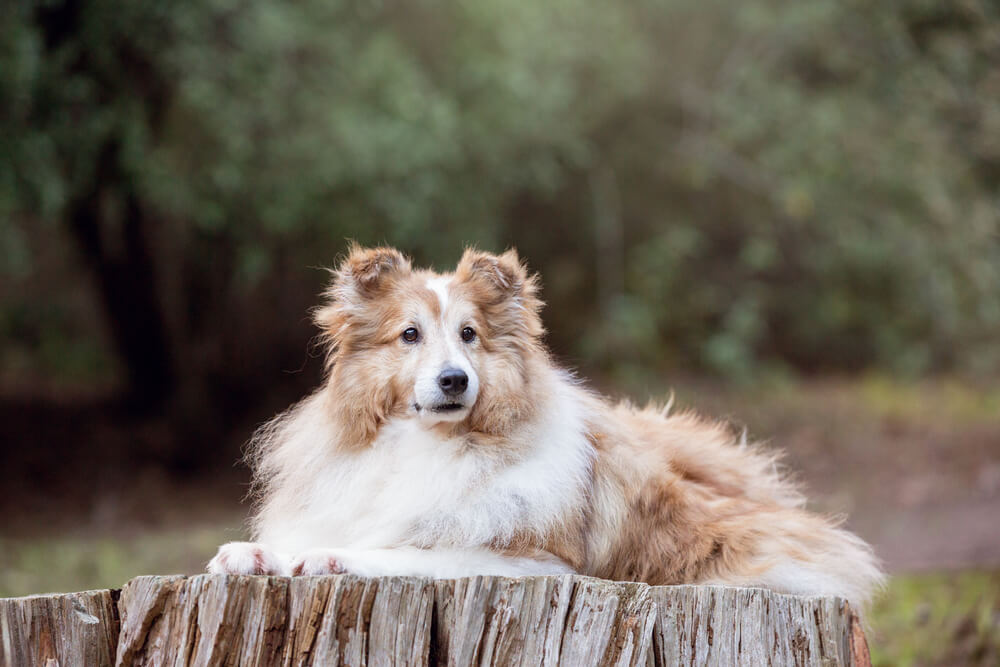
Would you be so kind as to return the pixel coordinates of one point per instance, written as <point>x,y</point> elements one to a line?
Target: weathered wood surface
<point>574,621</point>
<point>715,625</point>
<point>218,620</point>
<point>54,630</point>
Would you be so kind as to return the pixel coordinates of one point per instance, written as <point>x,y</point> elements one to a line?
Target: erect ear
<point>369,269</point>
<point>503,280</point>
<point>504,273</point>
<point>364,274</point>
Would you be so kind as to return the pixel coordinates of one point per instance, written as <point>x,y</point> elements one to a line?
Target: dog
<point>446,443</point>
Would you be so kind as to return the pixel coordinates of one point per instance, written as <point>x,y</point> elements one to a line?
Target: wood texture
<point>54,630</point>
<point>573,621</point>
<point>700,625</point>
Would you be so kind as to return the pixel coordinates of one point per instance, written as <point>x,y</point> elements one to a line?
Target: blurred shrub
<point>805,185</point>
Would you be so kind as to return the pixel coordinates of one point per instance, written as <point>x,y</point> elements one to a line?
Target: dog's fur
<point>526,472</point>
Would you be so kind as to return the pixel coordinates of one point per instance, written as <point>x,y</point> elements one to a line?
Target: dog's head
<point>447,349</point>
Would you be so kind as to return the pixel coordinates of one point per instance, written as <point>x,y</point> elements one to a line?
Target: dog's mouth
<point>448,407</point>
<point>441,408</point>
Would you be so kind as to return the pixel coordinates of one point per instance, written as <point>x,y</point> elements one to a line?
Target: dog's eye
<point>468,334</point>
<point>411,335</point>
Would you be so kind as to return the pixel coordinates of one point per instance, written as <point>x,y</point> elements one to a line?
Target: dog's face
<point>437,348</point>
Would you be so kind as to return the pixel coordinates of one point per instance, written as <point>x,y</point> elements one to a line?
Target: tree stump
<point>567,620</point>
<point>59,630</point>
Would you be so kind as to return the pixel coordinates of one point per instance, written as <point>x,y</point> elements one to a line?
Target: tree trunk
<point>121,262</point>
<point>104,214</point>
<point>570,620</point>
<point>54,630</point>
<point>346,620</point>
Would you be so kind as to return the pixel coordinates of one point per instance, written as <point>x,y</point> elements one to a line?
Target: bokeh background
<point>785,211</point>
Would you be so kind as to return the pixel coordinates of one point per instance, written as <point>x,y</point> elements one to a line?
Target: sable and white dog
<point>445,443</point>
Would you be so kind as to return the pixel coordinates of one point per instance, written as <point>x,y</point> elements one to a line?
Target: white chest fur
<point>414,488</point>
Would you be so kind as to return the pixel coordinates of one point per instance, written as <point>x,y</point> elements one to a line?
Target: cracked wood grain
<point>699,625</point>
<point>499,621</point>
<point>53,630</point>
<point>347,620</point>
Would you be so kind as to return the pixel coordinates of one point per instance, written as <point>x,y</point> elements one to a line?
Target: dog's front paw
<point>319,561</point>
<point>247,558</point>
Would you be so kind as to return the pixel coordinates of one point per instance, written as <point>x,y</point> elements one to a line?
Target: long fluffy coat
<point>526,472</point>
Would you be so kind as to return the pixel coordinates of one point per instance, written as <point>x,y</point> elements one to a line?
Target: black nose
<point>453,382</point>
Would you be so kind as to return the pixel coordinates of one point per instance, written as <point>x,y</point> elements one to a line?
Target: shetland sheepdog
<point>446,443</point>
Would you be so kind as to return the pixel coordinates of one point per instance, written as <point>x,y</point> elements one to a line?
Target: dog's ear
<point>504,285</point>
<point>370,269</point>
<point>365,273</point>
<point>362,276</point>
<point>504,273</point>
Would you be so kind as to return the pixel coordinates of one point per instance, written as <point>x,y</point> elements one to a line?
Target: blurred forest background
<point>786,210</point>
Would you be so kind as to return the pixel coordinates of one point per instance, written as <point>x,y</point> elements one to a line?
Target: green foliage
<point>50,564</point>
<point>734,187</point>
<point>938,619</point>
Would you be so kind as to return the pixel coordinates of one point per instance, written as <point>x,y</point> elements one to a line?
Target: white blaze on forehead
<point>440,287</point>
<point>443,350</point>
